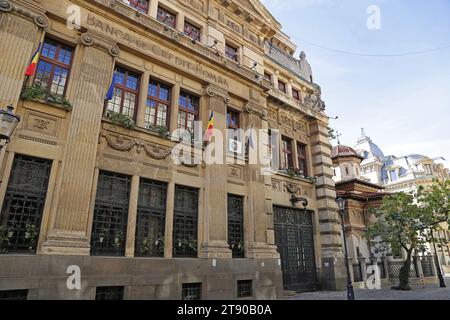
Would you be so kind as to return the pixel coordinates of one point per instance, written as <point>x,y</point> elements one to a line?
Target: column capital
<point>39,18</point>
<point>91,39</point>
<point>214,91</point>
<point>256,109</point>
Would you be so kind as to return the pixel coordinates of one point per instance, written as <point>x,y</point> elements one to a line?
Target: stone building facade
<point>89,185</point>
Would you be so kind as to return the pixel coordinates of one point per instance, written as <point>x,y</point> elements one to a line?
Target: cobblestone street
<point>418,293</point>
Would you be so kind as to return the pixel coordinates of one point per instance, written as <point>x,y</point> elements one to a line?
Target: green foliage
<point>188,244</point>
<point>5,238</point>
<point>147,244</point>
<point>406,221</point>
<point>121,119</point>
<point>36,92</point>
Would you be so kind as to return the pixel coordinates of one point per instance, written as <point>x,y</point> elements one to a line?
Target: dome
<point>343,151</point>
<point>366,148</point>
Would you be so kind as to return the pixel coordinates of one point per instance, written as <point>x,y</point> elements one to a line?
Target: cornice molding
<point>39,18</point>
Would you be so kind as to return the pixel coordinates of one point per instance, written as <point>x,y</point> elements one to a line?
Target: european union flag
<point>110,93</point>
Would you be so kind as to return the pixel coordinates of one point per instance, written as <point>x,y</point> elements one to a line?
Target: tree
<point>404,221</point>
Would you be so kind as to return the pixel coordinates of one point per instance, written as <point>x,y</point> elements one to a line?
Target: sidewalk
<point>418,293</point>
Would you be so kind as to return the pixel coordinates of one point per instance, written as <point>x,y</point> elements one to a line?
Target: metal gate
<point>294,237</point>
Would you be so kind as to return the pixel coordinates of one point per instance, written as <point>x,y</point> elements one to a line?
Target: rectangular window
<point>282,86</point>
<point>268,76</point>
<point>151,219</point>
<point>109,230</point>
<point>189,108</point>
<point>231,52</point>
<point>166,17</point>
<point>302,159</point>
<point>139,5</point>
<point>21,216</point>
<point>244,288</point>
<point>287,159</point>
<point>428,169</point>
<point>109,293</point>
<point>185,222</point>
<point>126,90</point>
<point>236,225</point>
<point>14,295</point>
<point>192,31</point>
<point>158,105</point>
<point>191,291</point>
<point>296,94</point>
<point>54,65</point>
<point>233,119</point>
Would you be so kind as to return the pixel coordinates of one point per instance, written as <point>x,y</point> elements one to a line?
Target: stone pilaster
<point>333,264</point>
<point>20,31</point>
<point>215,243</point>
<point>262,245</point>
<point>69,221</point>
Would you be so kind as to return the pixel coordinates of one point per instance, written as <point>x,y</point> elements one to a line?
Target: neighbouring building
<point>90,184</point>
<point>403,174</point>
<point>361,196</point>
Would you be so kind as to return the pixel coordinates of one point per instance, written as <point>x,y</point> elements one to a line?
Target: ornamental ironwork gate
<point>294,237</point>
<point>21,216</point>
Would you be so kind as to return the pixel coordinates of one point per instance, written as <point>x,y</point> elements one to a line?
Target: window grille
<point>109,229</point>
<point>21,216</point>
<point>185,222</point>
<point>236,226</point>
<point>151,216</point>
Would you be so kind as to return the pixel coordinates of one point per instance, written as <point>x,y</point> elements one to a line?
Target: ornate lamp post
<point>350,293</point>
<point>8,123</point>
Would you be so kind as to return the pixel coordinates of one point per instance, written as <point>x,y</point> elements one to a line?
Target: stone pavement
<point>432,292</point>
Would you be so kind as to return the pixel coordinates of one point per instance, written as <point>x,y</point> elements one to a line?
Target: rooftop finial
<point>363,133</point>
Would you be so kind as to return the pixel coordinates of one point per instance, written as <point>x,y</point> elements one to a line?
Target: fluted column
<point>215,242</point>
<point>333,264</point>
<point>260,209</point>
<point>20,31</point>
<point>69,221</point>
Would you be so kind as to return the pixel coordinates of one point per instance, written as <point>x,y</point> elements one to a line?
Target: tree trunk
<point>404,273</point>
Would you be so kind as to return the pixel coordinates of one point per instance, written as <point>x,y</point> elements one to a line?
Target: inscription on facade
<point>156,51</point>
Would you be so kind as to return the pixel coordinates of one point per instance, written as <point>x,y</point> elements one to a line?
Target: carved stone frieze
<point>118,143</point>
<point>157,152</point>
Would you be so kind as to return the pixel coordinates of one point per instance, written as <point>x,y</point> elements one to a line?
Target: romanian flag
<point>210,128</point>
<point>34,61</point>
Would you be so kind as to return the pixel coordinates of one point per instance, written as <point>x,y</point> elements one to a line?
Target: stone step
<point>289,293</point>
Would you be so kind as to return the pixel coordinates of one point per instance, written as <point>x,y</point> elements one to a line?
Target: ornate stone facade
<point>80,144</point>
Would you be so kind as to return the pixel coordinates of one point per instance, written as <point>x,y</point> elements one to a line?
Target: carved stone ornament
<point>157,152</point>
<point>292,188</point>
<point>314,102</point>
<point>118,143</point>
<point>256,110</point>
<point>89,39</point>
<point>217,92</point>
<point>39,19</point>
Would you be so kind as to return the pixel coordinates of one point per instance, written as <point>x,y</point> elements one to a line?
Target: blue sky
<point>402,102</point>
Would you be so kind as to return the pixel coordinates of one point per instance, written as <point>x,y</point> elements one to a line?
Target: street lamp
<point>350,293</point>
<point>8,123</point>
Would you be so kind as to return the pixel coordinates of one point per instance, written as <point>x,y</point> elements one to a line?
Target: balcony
<point>286,61</point>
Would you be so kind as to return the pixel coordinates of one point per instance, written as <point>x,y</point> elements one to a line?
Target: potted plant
<point>31,236</point>
<point>117,244</point>
<point>36,92</point>
<point>121,119</point>
<point>6,235</point>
